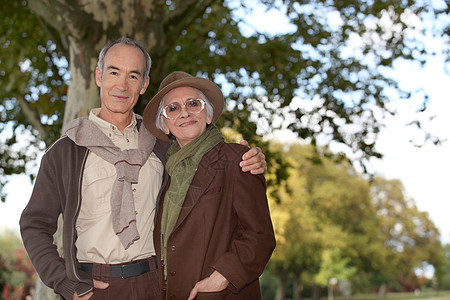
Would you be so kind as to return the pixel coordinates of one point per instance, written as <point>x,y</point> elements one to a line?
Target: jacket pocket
<point>212,295</point>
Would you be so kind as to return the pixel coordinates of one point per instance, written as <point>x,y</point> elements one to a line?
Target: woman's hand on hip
<point>214,283</point>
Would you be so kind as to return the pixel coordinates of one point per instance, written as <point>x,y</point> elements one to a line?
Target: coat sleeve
<point>254,240</point>
<point>38,223</point>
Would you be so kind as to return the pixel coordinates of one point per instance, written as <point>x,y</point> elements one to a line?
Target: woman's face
<point>188,126</point>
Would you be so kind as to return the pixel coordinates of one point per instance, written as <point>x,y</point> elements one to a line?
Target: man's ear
<point>98,77</point>
<point>144,87</point>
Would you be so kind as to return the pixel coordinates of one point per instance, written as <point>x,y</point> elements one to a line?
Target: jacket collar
<point>208,166</point>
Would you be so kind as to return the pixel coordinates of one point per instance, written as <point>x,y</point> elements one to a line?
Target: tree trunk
<point>315,292</point>
<point>297,287</point>
<point>281,288</point>
<point>42,292</point>
<point>83,93</point>
<point>382,291</point>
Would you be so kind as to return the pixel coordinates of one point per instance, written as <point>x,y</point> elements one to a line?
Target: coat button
<point>173,273</point>
<point>172,297</point>
<point>172,248</point>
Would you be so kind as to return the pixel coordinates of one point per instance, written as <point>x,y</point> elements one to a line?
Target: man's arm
<point>39,220</point>
<point>97,284</point>
<point>38,224</point>
<point>253,160</point>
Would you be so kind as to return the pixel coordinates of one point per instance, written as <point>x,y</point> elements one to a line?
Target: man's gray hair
<point>130,42</point>
<point>159,122</point>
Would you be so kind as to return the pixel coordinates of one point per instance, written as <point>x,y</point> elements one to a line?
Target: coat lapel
<point>205,174</point>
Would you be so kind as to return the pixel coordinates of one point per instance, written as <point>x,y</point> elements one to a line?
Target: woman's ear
<point>166,129</point>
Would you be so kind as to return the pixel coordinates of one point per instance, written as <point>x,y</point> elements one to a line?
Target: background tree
<point>411,238</point>
<point>324,207</point>
<point>334,268</point>
<point>443,272</point>
<point>298,241</point>
<point>330,222</point>
<point>331,55</point>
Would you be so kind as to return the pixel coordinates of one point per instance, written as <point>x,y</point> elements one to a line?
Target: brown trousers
<point>142,287</point>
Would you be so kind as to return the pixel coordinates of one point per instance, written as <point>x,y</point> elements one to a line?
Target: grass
<point>431,295</point>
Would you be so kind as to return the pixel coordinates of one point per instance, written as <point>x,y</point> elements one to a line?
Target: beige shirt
<point>96,240</point>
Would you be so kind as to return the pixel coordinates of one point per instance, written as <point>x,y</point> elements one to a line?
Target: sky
<point>423,171</point>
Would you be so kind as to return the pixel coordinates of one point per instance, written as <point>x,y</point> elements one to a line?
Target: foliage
<point>334,266</point>
<point>33,90</point>
<point>321,79</point>
<point>443,272</point>
<point>330,222</point>
<point>410,236</point>
<point>17,274</point>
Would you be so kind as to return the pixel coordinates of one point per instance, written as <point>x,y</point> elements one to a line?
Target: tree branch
<point>67,18</point>
<point>185,13</point>
<point>61,41</point>
<point>34,120</point>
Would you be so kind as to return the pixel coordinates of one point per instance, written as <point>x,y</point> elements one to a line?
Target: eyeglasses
<point>173,110</point>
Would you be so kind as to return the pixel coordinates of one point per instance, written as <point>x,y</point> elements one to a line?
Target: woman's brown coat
<point>224,225</point>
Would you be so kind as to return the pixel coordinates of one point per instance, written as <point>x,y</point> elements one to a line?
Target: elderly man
<point>104,176</point>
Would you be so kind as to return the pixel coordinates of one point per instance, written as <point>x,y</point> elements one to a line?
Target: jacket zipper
<point>72,255</point>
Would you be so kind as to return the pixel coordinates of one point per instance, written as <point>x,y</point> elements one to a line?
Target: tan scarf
<point>181,166</point>
<point>127,163</point>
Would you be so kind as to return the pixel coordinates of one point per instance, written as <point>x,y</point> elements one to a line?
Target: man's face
<point>122,81</point>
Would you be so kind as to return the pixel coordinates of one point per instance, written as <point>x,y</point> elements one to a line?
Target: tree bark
<point>281,288</point>
<point>382,290</point>
<point>83,93</point>
<point>315,292</point>
<point>297,287</point>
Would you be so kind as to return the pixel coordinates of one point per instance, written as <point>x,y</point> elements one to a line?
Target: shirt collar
<point>107,127</point>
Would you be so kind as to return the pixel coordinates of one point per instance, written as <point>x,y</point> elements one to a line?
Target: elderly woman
<point>213,234</point>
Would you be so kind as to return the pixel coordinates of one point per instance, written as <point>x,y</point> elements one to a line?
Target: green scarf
<point>181,166</point>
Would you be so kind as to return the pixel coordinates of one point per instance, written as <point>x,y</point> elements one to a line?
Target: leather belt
<point>123,271</point>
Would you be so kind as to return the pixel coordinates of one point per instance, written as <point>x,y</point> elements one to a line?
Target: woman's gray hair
<point>130,42</point>
<point>159,122</point>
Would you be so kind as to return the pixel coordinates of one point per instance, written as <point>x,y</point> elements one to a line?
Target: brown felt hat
<point>181,79</point>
